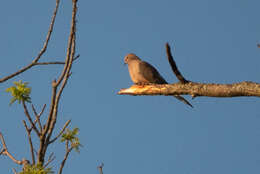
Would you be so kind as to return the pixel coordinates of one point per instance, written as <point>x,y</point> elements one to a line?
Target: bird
<point>142,72</point>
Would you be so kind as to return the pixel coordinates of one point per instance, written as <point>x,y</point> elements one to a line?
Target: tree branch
<point>100,168</point>
<point>55,63</point>
<point>14,171</point>
<point>34,62</point>
<point>30,119</point>
<point>61,132</point>
<point>30,141</point>
<point>68,150</point>
<point>50,159</point>
<point>67,68</point>
<point>38,116</point>
<point>174,65</point>
<point>57,90</point>
<point>196,89</point>
<point>43,144</point>
<point>5,151</point>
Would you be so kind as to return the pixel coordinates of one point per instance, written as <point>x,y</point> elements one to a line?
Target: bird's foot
<point>143,83</point>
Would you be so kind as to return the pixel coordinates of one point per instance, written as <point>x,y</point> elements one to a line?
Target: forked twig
<point>38,116</point>
<point>5,151</point>
<point>61,132</point>
<point>30,119</point>
<point>50,159</point>
<point>34,62</point>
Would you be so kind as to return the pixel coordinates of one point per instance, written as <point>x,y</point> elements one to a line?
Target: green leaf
<point>70,135</point>
<point>36,169</point>
<point>20,92</point>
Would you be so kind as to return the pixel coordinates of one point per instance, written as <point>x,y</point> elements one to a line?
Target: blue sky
<point>212,42</point>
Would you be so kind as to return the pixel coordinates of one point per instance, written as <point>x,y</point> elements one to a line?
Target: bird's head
<point>131,57</point>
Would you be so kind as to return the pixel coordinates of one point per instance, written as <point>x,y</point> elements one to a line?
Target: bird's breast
<point>136,74</point>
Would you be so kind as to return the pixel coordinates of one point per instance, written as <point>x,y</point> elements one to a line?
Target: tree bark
<point>196,89</point>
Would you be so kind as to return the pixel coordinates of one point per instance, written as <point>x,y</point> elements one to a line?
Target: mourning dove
<point>142,72</point>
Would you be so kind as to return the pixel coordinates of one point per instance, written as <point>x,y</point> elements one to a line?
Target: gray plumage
<point>142,72</point>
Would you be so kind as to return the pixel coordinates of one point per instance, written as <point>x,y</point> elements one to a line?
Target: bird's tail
<point>183,100</point>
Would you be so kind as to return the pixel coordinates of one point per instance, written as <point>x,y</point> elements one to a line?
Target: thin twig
<point>38,116</point>
<point>42,50</point>
<point>14,171</point>
<point>5,151</point>
<point>30,119</point>
<point>100,168</point>
<point>61,132</point>
<point>30,141</point>
<point>50,63</point>
<point>174,66</point>
<point>49,32</point>
<point>50,159</point>
<point>3,141</point>
<point>55,63</point>
<point>76,57</point>
<point>68,150</point>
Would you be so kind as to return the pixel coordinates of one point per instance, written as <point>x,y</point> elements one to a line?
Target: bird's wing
<point>153,76</point>
<point>150,73</point>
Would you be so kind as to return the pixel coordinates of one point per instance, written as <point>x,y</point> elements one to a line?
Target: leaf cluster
<point>71,136</point>
<point>20,92</point>
<point>36,169</point>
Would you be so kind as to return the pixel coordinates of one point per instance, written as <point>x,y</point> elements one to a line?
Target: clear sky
<point>212,41</point>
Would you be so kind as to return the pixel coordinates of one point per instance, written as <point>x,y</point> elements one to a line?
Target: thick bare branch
<point>67,68</point>
<point>43,145</point>
<point>56,90</point>
<point>197,89</point>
